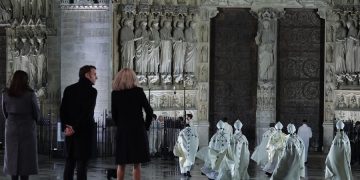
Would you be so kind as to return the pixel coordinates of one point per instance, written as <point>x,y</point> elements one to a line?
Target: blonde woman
<point>127,102</point>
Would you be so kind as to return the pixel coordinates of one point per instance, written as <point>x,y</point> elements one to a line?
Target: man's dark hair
<point>272,124</point>
<point>304,121</point>
<point>85,69</point>
<point>154,116</point>
<point>189,115</point>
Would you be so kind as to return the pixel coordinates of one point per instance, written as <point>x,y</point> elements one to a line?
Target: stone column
<point>202,124</point>
<point>266,40</point>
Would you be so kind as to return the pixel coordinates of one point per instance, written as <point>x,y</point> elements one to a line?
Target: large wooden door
<point>300,70</point>
<point>233,69</point>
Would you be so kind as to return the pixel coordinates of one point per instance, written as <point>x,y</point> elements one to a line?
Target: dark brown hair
<point>85,69</point>
<point>19,84</point>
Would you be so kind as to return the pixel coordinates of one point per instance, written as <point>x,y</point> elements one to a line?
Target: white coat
<point>305,133</point>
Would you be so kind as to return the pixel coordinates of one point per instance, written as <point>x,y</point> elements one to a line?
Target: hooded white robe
<point>274,148</point>
<point>186,147</point>
<point>260,156</point>
<point>219,145</point>
<point>338,160</point>
<point>291,165</point>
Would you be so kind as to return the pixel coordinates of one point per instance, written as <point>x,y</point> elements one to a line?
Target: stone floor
<point>164,169</point>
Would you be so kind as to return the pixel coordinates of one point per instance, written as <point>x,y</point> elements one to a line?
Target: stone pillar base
<point>328,135</point>
<point>203,132</point>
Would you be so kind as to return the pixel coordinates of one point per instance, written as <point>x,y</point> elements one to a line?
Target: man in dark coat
<point>77,120</point>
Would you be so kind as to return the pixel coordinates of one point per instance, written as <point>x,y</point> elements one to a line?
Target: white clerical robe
<point>305,133</point>
<point>219,145</point>
<point>291,165</point>
<point>260,156</point>
<point>186,148</point>
<point>338,160</point>
<point>274,148</point>
<point>241,157</point>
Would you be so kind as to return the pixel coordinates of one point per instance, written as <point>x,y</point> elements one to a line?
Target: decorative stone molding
<point>84,5</point>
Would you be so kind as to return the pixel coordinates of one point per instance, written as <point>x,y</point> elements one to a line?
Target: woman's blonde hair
<point>125,79</point>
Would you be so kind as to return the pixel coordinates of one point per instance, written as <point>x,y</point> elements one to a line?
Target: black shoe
<point>203,174</point>
<point>188,174</point>
<point>184,174</point>
<point>268,174</point>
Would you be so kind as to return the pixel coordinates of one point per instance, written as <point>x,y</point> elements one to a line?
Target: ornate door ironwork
<point>233,69</point>
<point>300,70</point>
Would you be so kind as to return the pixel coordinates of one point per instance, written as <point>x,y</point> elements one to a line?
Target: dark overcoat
<point>127,106</point>
<point>21,114</point>
<point>77,110</point>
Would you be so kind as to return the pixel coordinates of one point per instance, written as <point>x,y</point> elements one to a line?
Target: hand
<point>69,131</point>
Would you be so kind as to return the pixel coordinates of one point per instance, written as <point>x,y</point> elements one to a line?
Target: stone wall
<point>2,76</point>
<point>86,40</point>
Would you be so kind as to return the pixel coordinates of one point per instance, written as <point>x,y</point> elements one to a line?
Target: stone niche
<point>166,44</point>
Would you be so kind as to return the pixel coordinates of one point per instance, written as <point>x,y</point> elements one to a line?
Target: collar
<point>85,81</point>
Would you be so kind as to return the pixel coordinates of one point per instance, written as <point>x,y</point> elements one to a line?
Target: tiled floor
<point>164,169</point>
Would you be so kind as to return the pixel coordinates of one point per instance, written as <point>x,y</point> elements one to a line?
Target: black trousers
<point>81,169</point>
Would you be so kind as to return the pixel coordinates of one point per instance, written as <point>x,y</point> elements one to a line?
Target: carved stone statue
<point>357,54</point>
<point>41,63</point>
<point>266,41</point>
<point>179,51</point>
<point>339,53</point>
<point>204,54</point>
<point>142,47</point>
<point>127,45</point>
<point>341,102</point>
<point>154,53</point>
<point>350,47</point>
<point>329,54</point>
<point>204,33</point>
<point>353,102</point>
<point>329,94</point>
<point>191,48</point>
<point>166,51</point>
<point>154,48</point>
<point>329,34</point>
<point>5,16</point>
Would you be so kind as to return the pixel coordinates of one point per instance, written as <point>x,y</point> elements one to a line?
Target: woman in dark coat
<point>21,111</point>
<point>127,103</point>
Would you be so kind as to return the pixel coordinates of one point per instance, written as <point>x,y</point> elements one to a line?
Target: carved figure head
<point>266,24</point>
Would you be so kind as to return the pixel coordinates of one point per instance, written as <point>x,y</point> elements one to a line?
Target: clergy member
<point>186,147</point>
<point>338,160</point>
<point>260,156</point>
<point>291,165</point>
<point>305,134</point>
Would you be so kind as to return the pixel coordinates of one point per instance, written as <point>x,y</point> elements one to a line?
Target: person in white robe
<point>338,160</point>
<point>259,155</point>
<point>216,152</point>
<point>274,149</point>
<point>229,129</point>
<point>305,134</point>
<point>240,153</point>
<point>291,165</point>
<point>186,147</point>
